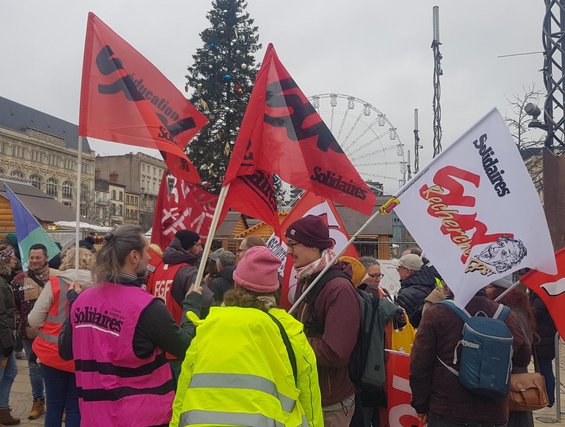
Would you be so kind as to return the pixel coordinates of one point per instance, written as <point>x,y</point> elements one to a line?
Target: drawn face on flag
<point>503,254</point>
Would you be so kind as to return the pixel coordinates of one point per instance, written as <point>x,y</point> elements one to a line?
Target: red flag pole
<point>384,209</point>
<point>212,232</point>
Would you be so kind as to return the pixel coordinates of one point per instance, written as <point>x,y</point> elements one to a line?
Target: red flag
<point>124,98</point>
<point>551,290</point>
<point>398,392</point>
<point>187,206</point>
<point>282,133</point>
<point>254,195</point>
<point>310,204</point>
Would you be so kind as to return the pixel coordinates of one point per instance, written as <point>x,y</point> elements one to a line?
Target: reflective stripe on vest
<point>242,381</point>
<point>45,345</point>
<point>227,418</point>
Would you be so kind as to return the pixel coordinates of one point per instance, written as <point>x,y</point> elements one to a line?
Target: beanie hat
<point>410,261</point>
<point>358,270</point>
<point>258,271</point>
<point>311,231</point>
<point>187,238</point>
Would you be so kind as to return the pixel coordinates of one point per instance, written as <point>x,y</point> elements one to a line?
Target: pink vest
<point>116,388</point>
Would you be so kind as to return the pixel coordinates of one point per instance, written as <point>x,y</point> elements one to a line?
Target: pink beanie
<point>258,271</point>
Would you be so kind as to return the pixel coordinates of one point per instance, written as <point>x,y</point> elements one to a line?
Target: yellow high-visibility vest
<point>237,371</point>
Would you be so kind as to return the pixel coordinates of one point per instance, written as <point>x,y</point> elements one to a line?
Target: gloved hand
<point>7,351</point>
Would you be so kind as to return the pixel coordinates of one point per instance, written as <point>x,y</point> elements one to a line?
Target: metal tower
<point>437,88</point>
<point>417,145</point>
<point>553,76</point>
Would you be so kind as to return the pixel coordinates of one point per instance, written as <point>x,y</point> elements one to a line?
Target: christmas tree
<point>222,78</point>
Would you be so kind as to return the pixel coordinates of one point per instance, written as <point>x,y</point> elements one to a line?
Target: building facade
<point>41,149</point>
<point>141,174</point>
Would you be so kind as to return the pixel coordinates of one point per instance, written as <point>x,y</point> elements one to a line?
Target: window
<point>114,195</point>
<point>67,190</point>
<point>36,181</point>
<point>51,188</point>
<point>17,174</point>
<point>84,191</point>
<point>121,196</point>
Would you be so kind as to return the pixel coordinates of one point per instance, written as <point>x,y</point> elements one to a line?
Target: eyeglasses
<point>292,245</point>
<point>377,276</point>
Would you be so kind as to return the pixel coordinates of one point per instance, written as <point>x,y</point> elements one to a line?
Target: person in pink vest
<point>118,334</point>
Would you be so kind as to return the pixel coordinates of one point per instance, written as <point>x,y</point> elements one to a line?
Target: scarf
<point>41,273</point>
<point>316,266</point>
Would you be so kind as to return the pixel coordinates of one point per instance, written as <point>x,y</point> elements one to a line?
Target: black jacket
<point>545,349</point>
<point>222,283</point>
<point>186,276</point>
<point>7,315</point>
<point>413,292</point>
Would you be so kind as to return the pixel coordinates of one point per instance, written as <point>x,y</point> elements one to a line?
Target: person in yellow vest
<point>48,314</point>
<point>250,362</point>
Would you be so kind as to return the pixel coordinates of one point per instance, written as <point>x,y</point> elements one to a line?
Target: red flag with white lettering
<point>551,290</point>
<point>186,206</point>
<point>282,134</point>
<point>124,98</point>
<point>398,391</point>
<point>310,204</point>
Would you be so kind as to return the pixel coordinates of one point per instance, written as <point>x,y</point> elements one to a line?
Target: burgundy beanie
<point>258,271</point>
<point>311,231</point>
<point>187,238</point>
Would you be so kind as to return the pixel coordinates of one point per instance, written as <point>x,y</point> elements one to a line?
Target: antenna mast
<point>437,88</point>
<point>417,145</point>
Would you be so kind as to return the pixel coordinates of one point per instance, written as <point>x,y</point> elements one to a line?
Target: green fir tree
<point>222,78</point>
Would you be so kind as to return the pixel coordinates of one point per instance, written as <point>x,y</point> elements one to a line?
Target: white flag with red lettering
<point>475,212</point>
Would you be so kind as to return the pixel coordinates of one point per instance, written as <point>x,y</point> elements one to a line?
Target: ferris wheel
<point>368,138</point>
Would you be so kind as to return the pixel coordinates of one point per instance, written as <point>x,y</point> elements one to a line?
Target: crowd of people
<point>130,338</point>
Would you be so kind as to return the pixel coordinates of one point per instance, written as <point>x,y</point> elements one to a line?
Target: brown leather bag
<point>527,391</point>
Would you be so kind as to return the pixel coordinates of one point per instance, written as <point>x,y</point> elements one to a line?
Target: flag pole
<point>384,209</point>
<point>212,232</point>
<point>507,291</point>
<point>77,216</point>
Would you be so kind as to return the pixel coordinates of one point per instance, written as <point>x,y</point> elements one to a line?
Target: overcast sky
<point>375,50</point>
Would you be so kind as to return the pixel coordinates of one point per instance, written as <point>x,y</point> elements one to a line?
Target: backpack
<point>366,363</point>
<point>486,352</point>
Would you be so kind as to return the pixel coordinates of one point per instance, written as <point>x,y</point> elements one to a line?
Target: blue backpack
<point>486,352</point>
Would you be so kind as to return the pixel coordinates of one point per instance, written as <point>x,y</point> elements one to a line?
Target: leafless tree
<point>529,140</point>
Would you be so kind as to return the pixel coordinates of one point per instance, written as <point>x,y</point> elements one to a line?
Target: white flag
<point>475,211</point>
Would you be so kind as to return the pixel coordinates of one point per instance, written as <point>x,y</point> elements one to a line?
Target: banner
<point>475,212</point>
<point>125,99</point>
<point>399,395</point>
<point>282,134</point>
<point>28,230</point>
<point>309,204</point>
<point>551,290</point>
<point>185,207</point>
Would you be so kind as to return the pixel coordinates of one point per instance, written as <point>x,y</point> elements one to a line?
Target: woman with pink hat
<point>250,362</point>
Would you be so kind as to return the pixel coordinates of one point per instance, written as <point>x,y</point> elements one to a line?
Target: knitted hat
<point>359,271</point>
<point>311,231</point>
<point>410,261</point>
<point>187,238</point>
<point>258,271</point>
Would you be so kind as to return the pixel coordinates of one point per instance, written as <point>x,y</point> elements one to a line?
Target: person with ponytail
<point>117,333</point>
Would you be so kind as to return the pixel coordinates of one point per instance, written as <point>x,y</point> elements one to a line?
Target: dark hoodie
<point>336,307</point>
<point>186,276</point>
<point>413,292</point>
